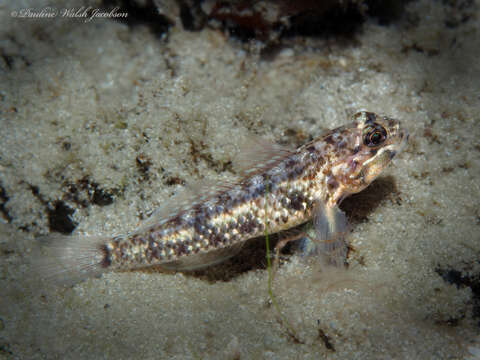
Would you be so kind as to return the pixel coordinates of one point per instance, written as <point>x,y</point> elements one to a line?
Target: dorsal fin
<point>257,155</point>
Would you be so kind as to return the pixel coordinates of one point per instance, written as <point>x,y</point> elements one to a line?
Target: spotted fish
<point>282,190</point>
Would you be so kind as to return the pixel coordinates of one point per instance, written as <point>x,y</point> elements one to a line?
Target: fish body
<point>281,191</point>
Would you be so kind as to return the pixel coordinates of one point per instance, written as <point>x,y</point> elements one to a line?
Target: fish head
<point>367,147</point>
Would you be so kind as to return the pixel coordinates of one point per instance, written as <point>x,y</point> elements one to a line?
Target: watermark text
<point>87,13</point>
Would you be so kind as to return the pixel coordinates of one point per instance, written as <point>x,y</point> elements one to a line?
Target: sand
<point>102,123</point>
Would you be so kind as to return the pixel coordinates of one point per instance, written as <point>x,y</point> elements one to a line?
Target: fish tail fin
<point>66,260</point>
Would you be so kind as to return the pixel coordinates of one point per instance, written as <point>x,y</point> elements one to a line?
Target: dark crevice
<point>146,15</point>
<point>326,340</point>
<point>460,280</point>
<point>269,21</point>
<point>59,218</point>
<point>85,192</point>
<point>3,201</point>
<point>386,11</point>
<point>191,15</point>
<point>58,213</point>
<point>339,20</point>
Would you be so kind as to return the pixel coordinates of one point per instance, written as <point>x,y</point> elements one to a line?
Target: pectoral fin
<point>325,235</point>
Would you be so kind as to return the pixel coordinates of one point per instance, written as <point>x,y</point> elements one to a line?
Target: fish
<point>278,189</point>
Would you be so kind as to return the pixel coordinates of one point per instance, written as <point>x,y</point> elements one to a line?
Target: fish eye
<point>374,135</point>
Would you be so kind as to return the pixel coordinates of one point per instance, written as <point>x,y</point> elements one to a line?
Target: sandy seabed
<point>101,123</point>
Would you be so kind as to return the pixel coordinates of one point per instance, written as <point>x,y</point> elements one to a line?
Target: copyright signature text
<point>87,13</point>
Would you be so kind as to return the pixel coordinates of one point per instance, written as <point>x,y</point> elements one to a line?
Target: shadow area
<point>359,206</point>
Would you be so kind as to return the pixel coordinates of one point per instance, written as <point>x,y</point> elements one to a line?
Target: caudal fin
<point>66,260</point>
